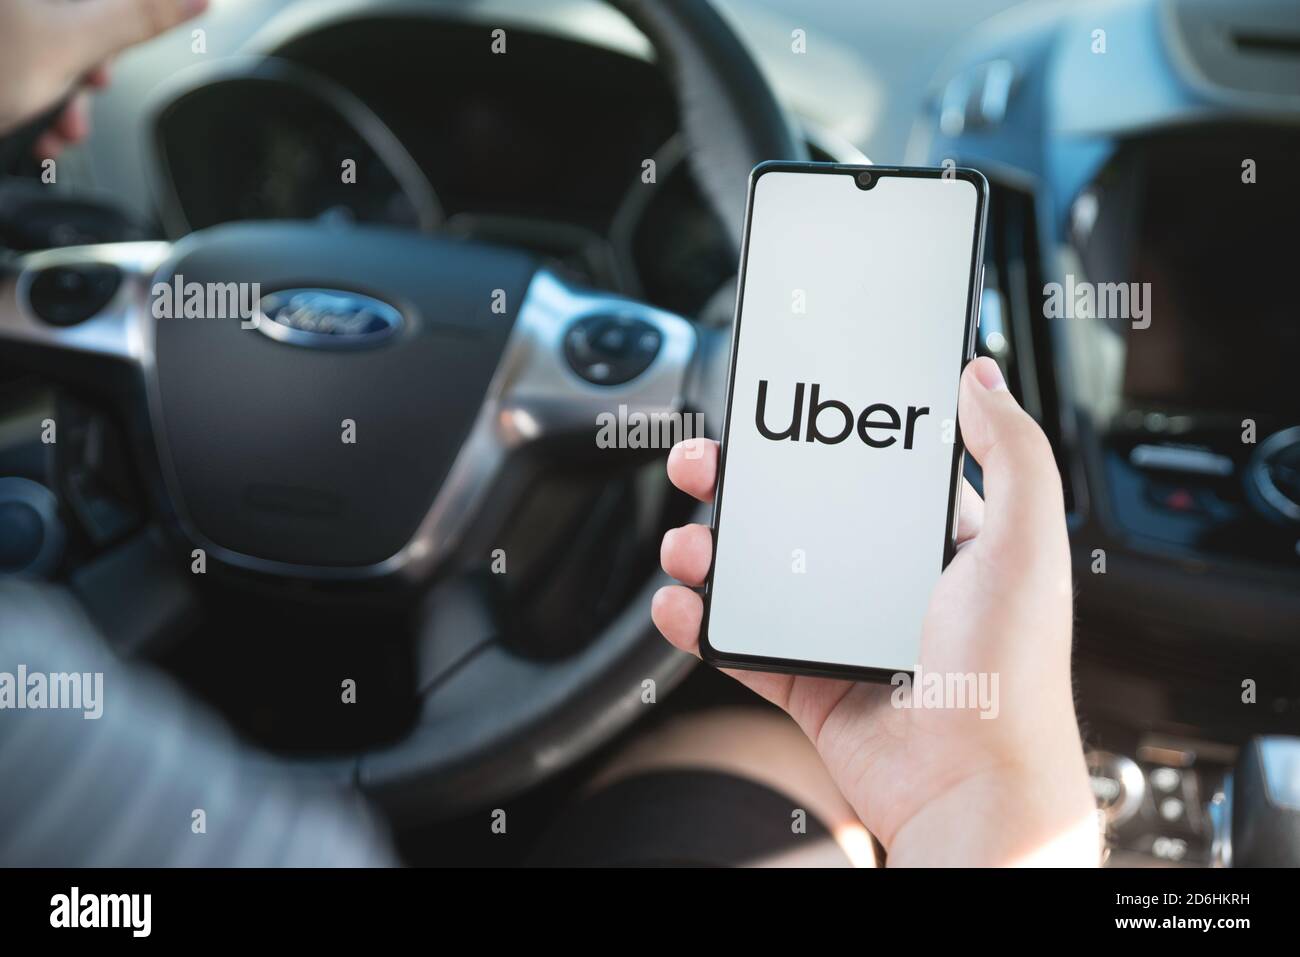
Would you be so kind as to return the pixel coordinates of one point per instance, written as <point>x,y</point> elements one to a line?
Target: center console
<point>1193,391</point>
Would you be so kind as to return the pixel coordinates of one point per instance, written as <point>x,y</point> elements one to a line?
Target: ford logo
<point>326,318</point>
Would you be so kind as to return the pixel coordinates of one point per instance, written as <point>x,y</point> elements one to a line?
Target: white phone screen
<point>841,446</point>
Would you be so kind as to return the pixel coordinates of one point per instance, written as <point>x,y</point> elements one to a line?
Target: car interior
<point>586,162</point>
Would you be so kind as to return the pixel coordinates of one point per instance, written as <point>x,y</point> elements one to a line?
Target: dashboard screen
<point>1224,330</point>
<point>258,148</point>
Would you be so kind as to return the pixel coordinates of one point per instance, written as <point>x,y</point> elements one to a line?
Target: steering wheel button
<point>69,281</point>
<point>613,340</point>
<point>611,350</point>
<point>67,295</point>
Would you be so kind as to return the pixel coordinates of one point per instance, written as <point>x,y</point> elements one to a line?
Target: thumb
<point>94,30</point>
<point>1022,487</point>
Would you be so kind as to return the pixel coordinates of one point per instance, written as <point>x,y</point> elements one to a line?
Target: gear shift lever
<point>1262,805</point>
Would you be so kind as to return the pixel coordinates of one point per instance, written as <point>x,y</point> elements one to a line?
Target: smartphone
<point>841,462</point>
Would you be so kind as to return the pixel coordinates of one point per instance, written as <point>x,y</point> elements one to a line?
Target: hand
<point>948,786</point>
<point>50,48</point>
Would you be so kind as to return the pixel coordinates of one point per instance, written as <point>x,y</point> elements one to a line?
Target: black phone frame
<point>822,669</point>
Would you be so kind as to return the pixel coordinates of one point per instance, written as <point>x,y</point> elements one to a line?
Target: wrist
<point>1005,816</point>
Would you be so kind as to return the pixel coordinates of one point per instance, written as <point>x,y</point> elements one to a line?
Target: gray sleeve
<point>131,786</point>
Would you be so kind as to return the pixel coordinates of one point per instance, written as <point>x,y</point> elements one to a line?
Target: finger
<point>94,30</point>
<point>100,76</point>
<point>1022,486</point>
<point>48,146</point>
<point>693,467</point>
<point>73,123</point>
<point>677,612</point>
<point>686,553</point>
<point>970,516</point>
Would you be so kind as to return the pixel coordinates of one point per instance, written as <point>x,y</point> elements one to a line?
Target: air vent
<point>1268,45</point>
<point>1237,46</point>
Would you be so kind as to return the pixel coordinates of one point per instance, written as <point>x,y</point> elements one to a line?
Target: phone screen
<point>841,456</point>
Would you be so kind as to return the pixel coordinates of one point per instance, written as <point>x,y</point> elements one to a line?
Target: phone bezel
<point>799,666</point>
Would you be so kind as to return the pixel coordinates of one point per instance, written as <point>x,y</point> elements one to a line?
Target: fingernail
<point>192,8</point>
<point>989,375</point>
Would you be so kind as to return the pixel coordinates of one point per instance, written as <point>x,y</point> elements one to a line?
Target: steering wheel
<point>451,361</point>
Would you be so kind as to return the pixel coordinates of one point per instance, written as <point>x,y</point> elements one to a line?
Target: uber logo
<point>875,419</point>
